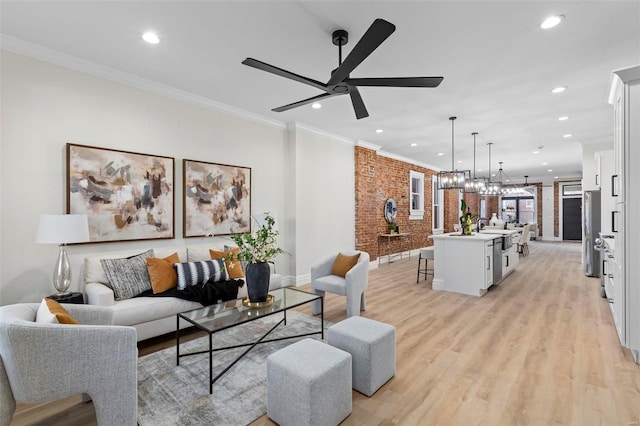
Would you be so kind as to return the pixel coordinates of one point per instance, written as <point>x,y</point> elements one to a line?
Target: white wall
<point>44,106</point>
<point>548,202</point>
<point>325,170</point>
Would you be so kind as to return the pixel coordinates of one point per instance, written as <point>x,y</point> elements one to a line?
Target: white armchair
<point>45,362</point>
<point>352,285</point>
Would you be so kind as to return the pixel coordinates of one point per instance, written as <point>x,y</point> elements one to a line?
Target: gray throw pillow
<point>129,276</point>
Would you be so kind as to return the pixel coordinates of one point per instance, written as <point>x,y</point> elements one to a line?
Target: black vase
<point>258,275</point>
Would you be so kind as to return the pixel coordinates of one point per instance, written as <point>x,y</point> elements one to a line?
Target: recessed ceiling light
<point>559,89</point>
<point>563,118</point>
<point>459,161</point>
<point>568,135</point>
<point>544,164</point>
<point>414,144</point>
<point>508,180</point>
<point>440,154</point>
<point>551,21</point>
<point>316,105</point>
<point>379,130</point>
<point>536,152</point>
<point>479,170</point>
<point>549,170</point>
<point>151,37</point>
<point>555,177</point>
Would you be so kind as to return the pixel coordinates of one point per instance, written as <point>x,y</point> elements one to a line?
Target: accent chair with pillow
<point>345,273</point>
<point>49,360</point>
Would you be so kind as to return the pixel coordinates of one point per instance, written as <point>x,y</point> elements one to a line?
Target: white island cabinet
<point>467,264</point>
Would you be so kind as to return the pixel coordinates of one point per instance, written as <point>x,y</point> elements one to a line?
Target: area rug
<point>179,395</point>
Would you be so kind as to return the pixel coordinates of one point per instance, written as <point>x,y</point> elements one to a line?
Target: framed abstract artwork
<point>126,195</point>
<point>217,199</point>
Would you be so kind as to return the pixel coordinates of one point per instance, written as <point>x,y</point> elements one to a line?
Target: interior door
<point>572,219</point>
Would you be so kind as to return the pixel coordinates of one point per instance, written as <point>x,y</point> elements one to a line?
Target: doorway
<point>572,219</point>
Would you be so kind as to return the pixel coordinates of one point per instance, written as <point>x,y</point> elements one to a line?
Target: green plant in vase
<point>466,220</point>
<point>257,250</point>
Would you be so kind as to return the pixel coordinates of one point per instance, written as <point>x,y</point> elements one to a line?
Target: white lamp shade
<point>63,229</point>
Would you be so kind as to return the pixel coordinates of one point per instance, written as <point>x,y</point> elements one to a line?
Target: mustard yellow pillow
<point>52,312</point>
<point>343,264</point>
<point>163,275</point>
<point>234,267</point>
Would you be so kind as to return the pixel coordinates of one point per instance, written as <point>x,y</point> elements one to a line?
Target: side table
<point>75,297</point>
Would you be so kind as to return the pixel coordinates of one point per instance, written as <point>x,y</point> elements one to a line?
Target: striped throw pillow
<point>198,273</point>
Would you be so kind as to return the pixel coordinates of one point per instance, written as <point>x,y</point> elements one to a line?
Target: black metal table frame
<point>251,345</point>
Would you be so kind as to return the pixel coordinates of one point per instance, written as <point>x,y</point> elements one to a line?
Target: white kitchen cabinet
<point>624,96</point>
<point>510,260</point>
<point>488,270</point>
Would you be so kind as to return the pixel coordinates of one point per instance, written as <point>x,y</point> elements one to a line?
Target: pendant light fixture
<point>509,189</point>
<point>475,184</point>
<point>492,188</point>
<point>453,179</point>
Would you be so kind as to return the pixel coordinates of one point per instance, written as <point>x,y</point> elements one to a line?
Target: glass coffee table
<point>222,316</point>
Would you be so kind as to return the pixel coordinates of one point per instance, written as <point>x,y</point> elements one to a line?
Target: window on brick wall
<point>438,205</point>
<point>416,185</point>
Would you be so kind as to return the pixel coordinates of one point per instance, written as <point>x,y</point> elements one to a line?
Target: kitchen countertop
<point>485,235</point>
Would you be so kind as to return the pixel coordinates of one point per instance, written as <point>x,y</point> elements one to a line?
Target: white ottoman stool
<point>372,344</point>
<point>309,383</point>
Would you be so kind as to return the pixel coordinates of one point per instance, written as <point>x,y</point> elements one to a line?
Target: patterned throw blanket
<point>209,293</point>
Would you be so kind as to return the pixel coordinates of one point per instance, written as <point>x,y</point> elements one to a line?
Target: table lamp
<point>62,229</point>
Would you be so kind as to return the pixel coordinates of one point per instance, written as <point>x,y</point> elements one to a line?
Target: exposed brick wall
<point>377,179</point>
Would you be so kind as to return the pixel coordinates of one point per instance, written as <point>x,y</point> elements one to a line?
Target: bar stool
<point>426,253</point>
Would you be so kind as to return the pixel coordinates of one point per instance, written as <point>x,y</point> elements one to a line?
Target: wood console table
<point>388,237</point>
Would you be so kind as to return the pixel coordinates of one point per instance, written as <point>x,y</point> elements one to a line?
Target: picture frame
<point>126,195</point>
<point>216,199</point>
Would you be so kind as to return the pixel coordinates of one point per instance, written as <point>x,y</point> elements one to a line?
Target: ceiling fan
<point>340,82</point>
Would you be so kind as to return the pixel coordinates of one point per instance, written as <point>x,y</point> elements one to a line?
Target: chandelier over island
<point>475,184</point>
<point>453,179</point>
<point>491,188</point>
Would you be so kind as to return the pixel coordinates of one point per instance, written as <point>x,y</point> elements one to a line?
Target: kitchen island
<point>470,264</point>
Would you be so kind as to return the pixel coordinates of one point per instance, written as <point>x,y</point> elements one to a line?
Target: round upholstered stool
<point>426,254</point>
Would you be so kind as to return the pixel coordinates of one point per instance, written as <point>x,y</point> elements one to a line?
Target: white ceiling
<point>498,65</point>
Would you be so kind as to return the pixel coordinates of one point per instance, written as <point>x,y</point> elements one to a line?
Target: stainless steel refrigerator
<point>591,227</point>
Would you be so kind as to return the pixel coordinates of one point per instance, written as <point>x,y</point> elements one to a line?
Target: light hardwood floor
<point>539,349</point>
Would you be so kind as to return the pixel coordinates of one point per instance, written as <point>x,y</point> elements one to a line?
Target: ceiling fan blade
<point>378,32</point>
<point>396,81</point>
<point>358,103</point>
<point>305,102</point>
<point>283,73</point>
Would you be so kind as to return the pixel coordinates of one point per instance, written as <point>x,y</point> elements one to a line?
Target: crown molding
<point>339,138</point>
<point>34,51</point>
<point>368,145</point>
<point>409,160</point>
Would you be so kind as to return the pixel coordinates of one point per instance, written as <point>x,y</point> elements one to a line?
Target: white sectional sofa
<point>151,316</point>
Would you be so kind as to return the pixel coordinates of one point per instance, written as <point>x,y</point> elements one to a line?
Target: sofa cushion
<point>52,312</point>
<point>234,266</point>
<point>94,273</point>
<point>128,277</point>
<point>201,252</point>
<point>162,273</point>
<point>140,310</point>
<point>195,273</point>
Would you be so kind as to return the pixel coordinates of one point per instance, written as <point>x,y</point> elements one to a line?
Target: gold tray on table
<point>268,302</point>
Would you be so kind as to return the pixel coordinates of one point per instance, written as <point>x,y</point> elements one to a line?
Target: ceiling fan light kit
<point>453,179</point>
<point>340,82</point>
